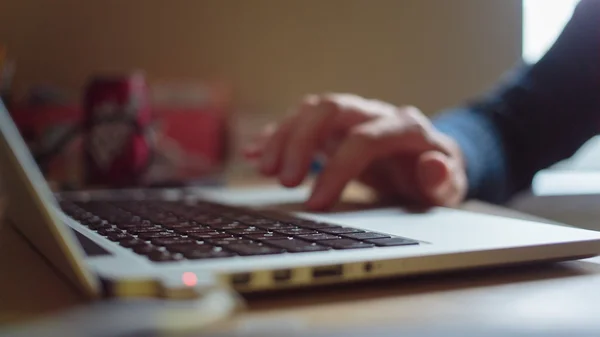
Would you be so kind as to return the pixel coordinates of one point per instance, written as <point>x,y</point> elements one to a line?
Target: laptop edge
<point>30,201</point>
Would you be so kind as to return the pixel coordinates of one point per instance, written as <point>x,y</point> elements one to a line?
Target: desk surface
<point>564,293</point>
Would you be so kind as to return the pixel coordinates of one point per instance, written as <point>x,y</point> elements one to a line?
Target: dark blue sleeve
<point>539,115</point>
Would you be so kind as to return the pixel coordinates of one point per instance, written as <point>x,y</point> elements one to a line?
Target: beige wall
<point>432,53</point>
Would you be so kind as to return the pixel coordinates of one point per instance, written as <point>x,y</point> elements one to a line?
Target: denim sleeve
<point>540,115</point>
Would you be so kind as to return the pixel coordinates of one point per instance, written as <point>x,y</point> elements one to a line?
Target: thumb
<point>436,179</point>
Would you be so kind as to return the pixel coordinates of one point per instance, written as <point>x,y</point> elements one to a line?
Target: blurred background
<point>216,71</point>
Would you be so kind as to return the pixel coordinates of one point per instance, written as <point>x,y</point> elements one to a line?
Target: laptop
<point>121,245</point>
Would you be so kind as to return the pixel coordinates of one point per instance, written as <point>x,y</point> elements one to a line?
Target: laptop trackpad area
<point>90,248</point>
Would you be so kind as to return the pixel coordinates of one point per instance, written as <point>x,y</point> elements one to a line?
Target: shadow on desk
<point>29,287</point>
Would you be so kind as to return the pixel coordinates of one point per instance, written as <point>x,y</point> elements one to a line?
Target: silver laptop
<point>159,246</point>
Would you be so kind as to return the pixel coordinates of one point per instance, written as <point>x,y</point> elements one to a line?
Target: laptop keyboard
<point>166,231</point>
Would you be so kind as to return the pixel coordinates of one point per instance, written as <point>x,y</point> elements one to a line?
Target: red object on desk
<point>117,116</point>
<point>190,143</point>
<point>197,131</point>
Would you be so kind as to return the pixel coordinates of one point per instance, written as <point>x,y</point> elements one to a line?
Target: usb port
<point>241,279</point>
<point>283,275</point>
<point>328,271</point>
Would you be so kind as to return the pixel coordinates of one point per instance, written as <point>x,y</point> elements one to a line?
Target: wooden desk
<point>567,293</point>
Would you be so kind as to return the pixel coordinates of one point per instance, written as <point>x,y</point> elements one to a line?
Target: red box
<point>191,143</point>
<point>190,140</point>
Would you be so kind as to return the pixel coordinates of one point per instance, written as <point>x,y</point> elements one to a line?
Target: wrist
<point>458,164</point>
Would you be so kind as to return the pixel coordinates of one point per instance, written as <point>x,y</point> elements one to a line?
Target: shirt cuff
<point>482,150</point>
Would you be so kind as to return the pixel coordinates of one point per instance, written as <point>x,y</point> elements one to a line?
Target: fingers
<point>270,160</point>
<point>352,158</point>
<point>308,134</point>
<point>362,146</point>
<point>254,150</point>
<point>434,177</point>
<point>441,180</point>
<point>413,159</point>
<point>315,127</point>
<point>400,136</point>
<point>288,150</point>
<point>380,138</point>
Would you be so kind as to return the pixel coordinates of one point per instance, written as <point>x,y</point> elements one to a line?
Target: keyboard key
<point>183,225</point>
<point>171,241</point>
<point>267,236</point>
<point>228,241</point>
<point>138,225</point>
<point>145,230</point>
<point>245,218</point>
<point>155,235</point>
<point>94,220</point>
<point>314,225</point>
<point>181,248</point>
<point>277,225</point>
<point>218,221</point>
<point>133,218</point>
<point>258,222</point>
<point>365,236</point>
<point>84,216</point>
<point>393,242</point>
<point>99,226</point>
<point>340,230</point>
<point>253,249</point>
<point>318,237</point>
<point>119,237</point>
<point>346,244</point>
<point>297,246</point>
<point>163,215</point>
<point>231,215</point>
<point>144,249</point>
<point>296,231</point>
<point>165,220</point>
<point>211,235</point>
<point>229,226</point>
<point>118,220</point>
<point>109,231</point>
<point>247,231</point>
<point>163,256</point>
<point>197,255</point>
<point>193,230</point>
<point>202,217</point>
<point>133,242</point>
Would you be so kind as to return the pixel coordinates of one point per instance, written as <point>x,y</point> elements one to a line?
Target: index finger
<point>351,159</point>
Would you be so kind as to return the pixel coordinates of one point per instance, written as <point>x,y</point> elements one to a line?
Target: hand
<point>394,150</point>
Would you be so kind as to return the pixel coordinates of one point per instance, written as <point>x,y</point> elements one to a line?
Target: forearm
<point>540,116</point>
